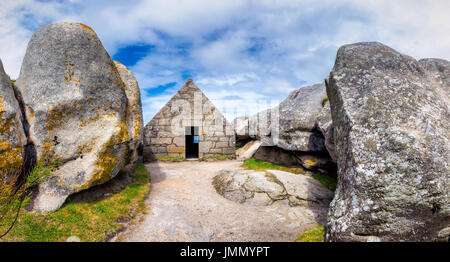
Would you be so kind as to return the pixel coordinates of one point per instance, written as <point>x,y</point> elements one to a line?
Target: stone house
<point>188,126</point>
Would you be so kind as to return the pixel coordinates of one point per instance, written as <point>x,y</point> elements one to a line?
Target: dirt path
<point>184,206</point>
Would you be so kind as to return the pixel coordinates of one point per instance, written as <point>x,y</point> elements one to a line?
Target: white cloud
<point>239,52</point>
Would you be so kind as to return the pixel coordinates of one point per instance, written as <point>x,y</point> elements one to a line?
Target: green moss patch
<point>90,221</point>
<point>327,181</point>
<point>324,101</point>
<point>253,164</point>
<point>170,158</point>
<point>313,235</point>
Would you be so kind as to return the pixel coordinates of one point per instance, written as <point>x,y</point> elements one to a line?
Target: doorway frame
<point>191,148</point>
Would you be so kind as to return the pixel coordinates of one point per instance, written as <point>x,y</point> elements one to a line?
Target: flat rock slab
<point>183,205</point>
<point>272,186</point>
<point>248,150</point>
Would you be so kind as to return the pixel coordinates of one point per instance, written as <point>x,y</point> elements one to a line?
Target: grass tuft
<point>171,158</point>
<point>324,101</point>
<point>253,164</point>
<point>313,235</point>
<point>327,181</point>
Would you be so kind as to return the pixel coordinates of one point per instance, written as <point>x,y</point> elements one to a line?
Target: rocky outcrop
<point>391,127</point>
<point>291,125</point>
<point>264,188</point>
<point>299,126</point>
<point>259,124</point>
<point>12,135</point>
<point>283,157</point>
<point>135,122</point>
<point>76,105</point>
<point>325,126</point>
<point>441,69</point>
<point>297,120</point>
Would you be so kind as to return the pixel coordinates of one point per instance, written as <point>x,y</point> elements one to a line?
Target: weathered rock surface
<point>296,132</point>
<point>240,125</point>
<point>440,67</point>
<point>248,150</point>
<point>264,188</point>
<point>290,125</point>
<point>259,124</point>
<point>297,120</point>
<point>76,105</point>
<point>325,126</point>
<point>277,156</point>
<point>283,157</point>
<point>135,120</point>
<point>12,136</point>
<point>391,127</point>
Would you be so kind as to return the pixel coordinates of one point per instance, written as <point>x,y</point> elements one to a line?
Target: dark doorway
<point>191,141</point>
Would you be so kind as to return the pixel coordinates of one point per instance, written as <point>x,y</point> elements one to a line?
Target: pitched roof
<point>188,92</point>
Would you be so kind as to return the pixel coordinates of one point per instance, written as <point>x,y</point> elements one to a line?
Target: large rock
<point>283,157</point>
<point>296,132</point>
<point>135,120</point>
<point>12,136</point>
<point>325,126</point>
<point>297,120</point>
<point>264,188</point>
<point>76,105</point>
<point>259,124</point>
<point>290,125</point>
<point>391,119</point>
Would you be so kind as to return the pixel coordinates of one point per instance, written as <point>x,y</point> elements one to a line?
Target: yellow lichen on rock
<point>107,164</point>
<point>134,107</point>
<point>10,154</point>
<point>310,163</point>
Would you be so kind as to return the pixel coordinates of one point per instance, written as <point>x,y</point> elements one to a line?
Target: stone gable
<point>165,134</point>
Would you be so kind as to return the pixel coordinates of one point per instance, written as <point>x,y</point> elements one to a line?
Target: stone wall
<point>164,135</point>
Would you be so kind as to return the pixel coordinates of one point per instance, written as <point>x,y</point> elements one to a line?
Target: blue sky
<point>245,55</point>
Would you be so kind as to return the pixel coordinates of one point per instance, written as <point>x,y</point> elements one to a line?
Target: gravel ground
<point>184,206</point>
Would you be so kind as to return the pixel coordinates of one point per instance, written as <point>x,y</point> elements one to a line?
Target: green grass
<point>171,158</point>
<point>324,101</point>
<point>240,144</point>
<point>313,235</point>
<point>253,164</point>
<point>13,81</point>
<point>90,221</point>
<point>327,181</point>
<point>217,157</point>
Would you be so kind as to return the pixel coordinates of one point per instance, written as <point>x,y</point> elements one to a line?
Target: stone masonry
<point>165,134</point>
